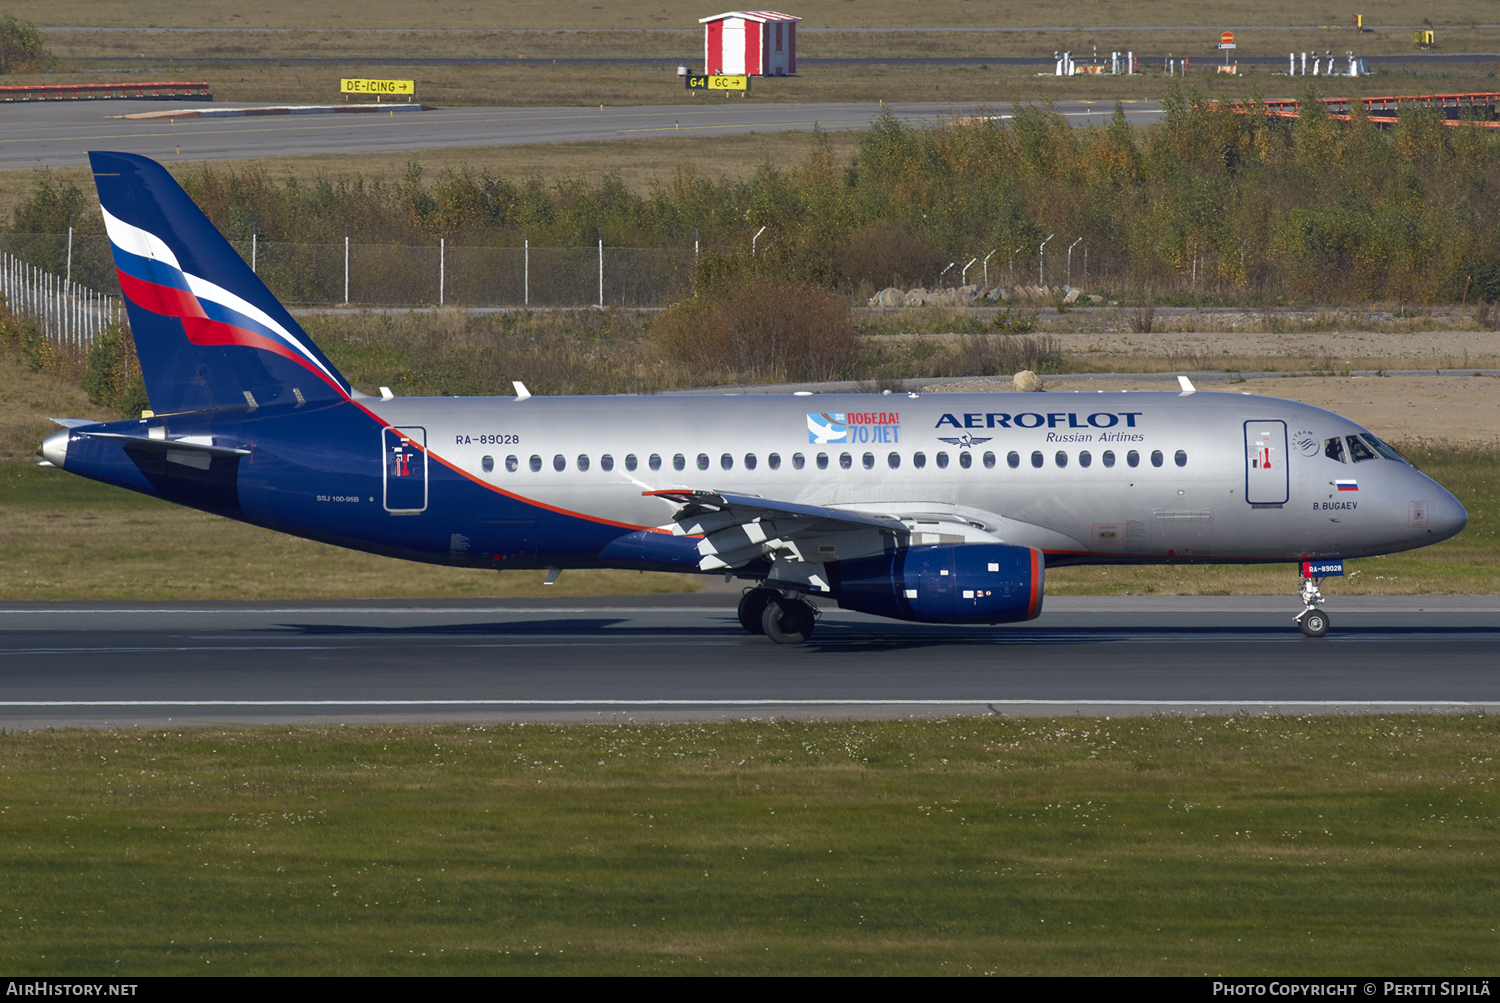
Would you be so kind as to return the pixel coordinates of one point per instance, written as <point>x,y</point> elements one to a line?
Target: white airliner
<point>941,508</point>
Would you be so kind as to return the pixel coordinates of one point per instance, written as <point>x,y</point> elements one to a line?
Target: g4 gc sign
<point>717,83</point>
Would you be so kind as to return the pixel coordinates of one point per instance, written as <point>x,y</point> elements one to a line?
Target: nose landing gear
<point>1312,621</point>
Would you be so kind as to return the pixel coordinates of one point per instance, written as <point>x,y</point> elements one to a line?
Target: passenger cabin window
<point>702,461</point>
<point>919,460</point>
<point>726,462</point>
<point>845,461</point>
<point>511,464</point>
<point>536,464</point>
<point>630,462</point>
<point>868,460</point>
<point>989,461</point>
<point>966,460</point>
<point>893,461</point>
<point>1156,458</point>
<point>1180,458</point>
<point>1334,449</point>
<point>942,461</point>
<point>798,461</point>
<point>822,461</point>
<point>583,462</point>
<point>1133,459</point>
<point>1358,450</point>
<point>750,461</point>
<point>1061,459</point>
<point>1085,458</point>
<point>655,462</point>
<point>559,463</point>
<point>679,462</point>
<point>1109,457</point>
<point>487,464</point>
<point>1012,459</point>
<point>774,461</point>
<point>1037,459</point>
<point>606,463</point>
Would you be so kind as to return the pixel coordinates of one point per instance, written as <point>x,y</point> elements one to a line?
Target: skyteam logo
<point>824,428</point>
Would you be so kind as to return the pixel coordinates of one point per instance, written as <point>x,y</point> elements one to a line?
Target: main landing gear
<point>784,619</point>
<point>1313,621</point>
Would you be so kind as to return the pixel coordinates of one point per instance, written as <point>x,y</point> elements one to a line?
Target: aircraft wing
<point>737,530</point>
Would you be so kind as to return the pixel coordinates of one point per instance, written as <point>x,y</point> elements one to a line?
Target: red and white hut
<point>757,43</point>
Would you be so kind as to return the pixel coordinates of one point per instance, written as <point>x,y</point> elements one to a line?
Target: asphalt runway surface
<point>685,657</point>
<point>60,133</point>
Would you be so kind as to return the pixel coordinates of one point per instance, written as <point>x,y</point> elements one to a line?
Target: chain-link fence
<point>394,275</point>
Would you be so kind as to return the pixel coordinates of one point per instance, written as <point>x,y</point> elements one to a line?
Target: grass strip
<point>1242,845</point>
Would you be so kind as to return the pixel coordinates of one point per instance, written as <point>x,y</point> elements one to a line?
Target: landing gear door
<point>404,469</point>
<point>1266,481</point>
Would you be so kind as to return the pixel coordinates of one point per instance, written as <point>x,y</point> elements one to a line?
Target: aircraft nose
<point>55,448</point>
<point>1445,516</point>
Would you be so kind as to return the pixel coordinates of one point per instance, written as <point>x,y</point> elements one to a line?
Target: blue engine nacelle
<point>962,583</point>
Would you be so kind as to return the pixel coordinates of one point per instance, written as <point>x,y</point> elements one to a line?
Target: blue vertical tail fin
<point>208,332</point>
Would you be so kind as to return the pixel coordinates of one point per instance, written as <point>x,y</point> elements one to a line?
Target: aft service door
<point>405,470</point>
<point>1265,463</point>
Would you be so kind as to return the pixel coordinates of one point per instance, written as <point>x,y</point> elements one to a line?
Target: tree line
<point>1208,202</point>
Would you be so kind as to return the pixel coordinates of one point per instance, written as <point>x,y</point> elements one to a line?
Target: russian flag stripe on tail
<point>208,332</point>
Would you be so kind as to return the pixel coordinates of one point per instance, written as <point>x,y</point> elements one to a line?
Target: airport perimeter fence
<point>66,312</point>
<point>403,276</point>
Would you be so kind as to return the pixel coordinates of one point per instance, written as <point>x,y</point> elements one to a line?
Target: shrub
<point>760,331</point>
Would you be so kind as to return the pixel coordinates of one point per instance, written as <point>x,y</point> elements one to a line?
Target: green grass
<point>1266,845</point>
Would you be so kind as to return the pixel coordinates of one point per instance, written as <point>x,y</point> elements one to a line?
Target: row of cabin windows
<point>845,461</point>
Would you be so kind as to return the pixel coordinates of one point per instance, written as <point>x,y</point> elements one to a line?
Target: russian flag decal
<point>1346,485</point>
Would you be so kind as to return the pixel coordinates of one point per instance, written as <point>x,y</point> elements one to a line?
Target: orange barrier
<point>1382,111</point>
<point>87,92</point>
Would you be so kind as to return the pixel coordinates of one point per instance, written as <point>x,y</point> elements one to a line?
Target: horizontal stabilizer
<point>163,445</point>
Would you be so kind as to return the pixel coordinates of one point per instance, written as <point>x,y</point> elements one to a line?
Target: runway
<point>60,134</point>
<point>685,657</point>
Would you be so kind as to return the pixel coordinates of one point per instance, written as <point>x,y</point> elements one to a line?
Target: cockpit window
<point>1382,448</point>
<point>1358,451</point>
<point>1334,449</point>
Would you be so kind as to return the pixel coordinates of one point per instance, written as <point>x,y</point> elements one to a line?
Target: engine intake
<point>963,583</point>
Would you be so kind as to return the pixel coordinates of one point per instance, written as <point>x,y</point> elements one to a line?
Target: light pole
<point>1070,260</point>
<point>986,267</point>
<point>1041,261</point>
<point>963,276</point>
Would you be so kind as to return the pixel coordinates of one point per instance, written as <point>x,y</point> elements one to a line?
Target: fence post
<point>346,269</point>
<point>254,241</point>
<point>70,251</point>
<point>601,269</point>
<point>526,274</point>
<point>442,267</point>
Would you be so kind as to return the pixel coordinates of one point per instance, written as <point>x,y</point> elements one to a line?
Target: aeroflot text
<point>69,989</point>
<point>1478,987</point>
<point>1029,419</point>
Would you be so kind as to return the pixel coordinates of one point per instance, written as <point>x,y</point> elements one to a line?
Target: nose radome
<point>1446,516</point>
<point>55,448</point>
